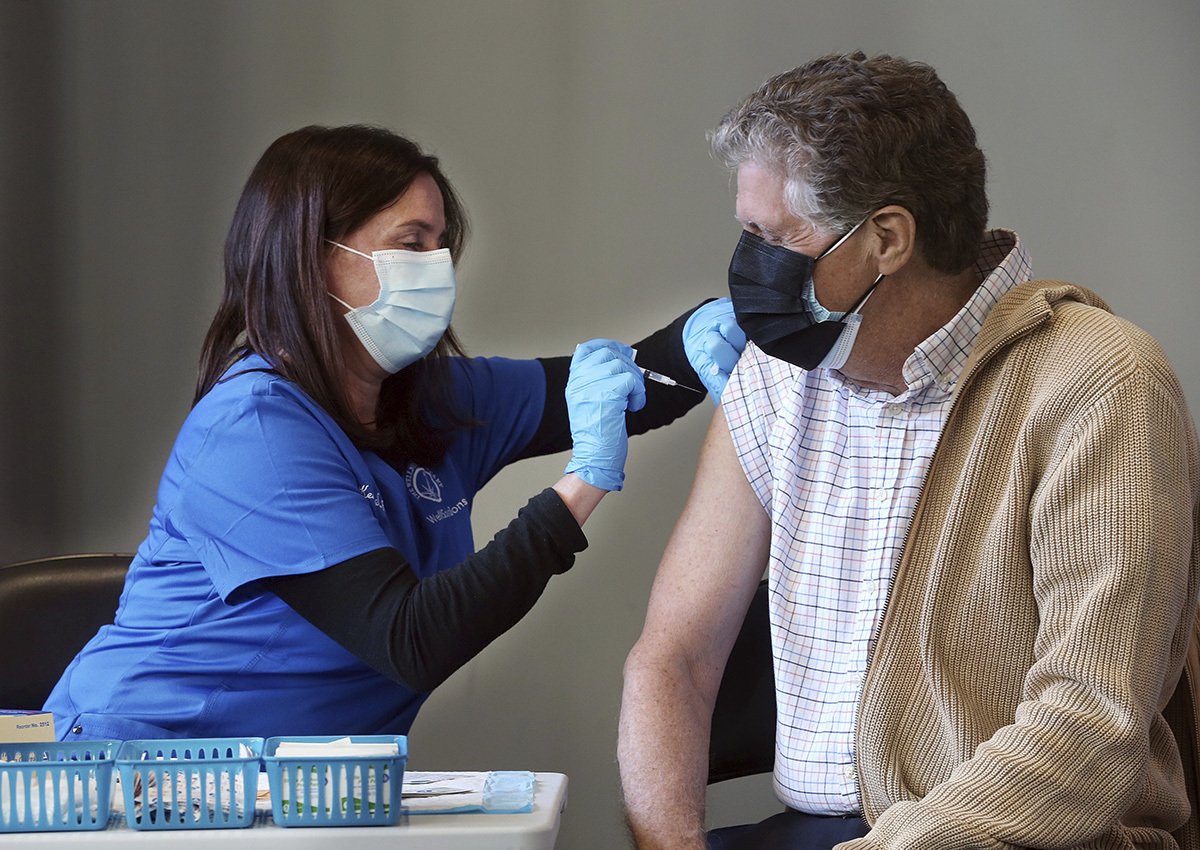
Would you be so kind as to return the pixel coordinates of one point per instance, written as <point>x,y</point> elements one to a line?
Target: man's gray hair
<point>850,134</point>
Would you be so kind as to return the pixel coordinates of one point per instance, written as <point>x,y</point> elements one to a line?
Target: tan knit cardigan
<point>1045,602</point>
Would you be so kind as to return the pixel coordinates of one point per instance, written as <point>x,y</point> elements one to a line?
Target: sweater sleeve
<point>1111,541</point>
<point>663,352</point>
<point>418,632</point>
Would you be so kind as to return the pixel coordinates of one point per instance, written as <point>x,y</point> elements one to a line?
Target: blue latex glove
<point>602,385</point>
<point>713,343</point>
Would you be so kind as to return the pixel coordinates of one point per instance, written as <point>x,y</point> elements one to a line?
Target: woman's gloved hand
<point>713,343</point>
<point>602,385</point>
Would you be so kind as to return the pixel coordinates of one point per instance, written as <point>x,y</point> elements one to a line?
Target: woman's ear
<point>894,237</point>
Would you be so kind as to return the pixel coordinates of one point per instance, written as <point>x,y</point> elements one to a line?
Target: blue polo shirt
<point>261,482</point>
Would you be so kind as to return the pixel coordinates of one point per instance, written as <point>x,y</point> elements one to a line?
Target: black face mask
<point>766,285</point>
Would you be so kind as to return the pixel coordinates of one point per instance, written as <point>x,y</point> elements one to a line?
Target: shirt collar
<point>939,360</point>
<point>937,363</point>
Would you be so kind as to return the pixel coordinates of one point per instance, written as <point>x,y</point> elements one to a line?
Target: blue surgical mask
<point>840,352</point>
<point>815,308</point>
<point>416,299</point>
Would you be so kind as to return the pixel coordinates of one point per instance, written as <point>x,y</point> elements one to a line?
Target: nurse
<point>309,567</point>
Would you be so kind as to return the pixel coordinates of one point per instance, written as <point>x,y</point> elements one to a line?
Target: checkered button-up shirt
<point>839,469</point>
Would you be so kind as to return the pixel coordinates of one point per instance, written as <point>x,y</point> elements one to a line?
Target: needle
<point>670,382</point>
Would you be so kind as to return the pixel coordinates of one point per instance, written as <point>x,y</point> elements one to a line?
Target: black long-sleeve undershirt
<point>418,632</point>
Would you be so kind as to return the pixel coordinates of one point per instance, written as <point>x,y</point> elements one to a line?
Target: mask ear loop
<point>351,250</point>
<point>833,248</point>
<point>862,302</point>
<point>838,243</point>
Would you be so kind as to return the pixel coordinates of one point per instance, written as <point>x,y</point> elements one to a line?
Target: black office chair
<point>743,721</point>
<point>49,608</point>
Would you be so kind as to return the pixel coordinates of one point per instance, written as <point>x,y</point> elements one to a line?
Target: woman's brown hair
<point>310,185</point>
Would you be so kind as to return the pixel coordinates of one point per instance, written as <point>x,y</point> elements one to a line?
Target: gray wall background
<point>575,132</point>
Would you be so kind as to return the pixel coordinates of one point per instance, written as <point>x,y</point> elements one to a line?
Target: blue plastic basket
<point>190,783</point>
<point>55,787</point>
<point>337,791</point>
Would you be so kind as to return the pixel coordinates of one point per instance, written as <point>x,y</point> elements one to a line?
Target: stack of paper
<point>341,748</point>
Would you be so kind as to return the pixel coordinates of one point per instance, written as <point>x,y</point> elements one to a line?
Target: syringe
<point>658,378</point>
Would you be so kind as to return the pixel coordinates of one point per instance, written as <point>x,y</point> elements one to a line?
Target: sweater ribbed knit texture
<point>1041,613</point>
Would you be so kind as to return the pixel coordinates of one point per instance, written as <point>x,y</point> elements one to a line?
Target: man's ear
<point>893,233</point>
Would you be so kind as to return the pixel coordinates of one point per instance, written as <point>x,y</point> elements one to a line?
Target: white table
<point>536,830</point>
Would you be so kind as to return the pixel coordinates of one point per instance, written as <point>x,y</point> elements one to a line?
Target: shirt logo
<point>423,484</point>
<point>371,496</point>
<point>445,513</point>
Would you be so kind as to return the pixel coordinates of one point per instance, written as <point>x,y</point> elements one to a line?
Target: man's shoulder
<point>1074,336</point>
<point>1080,316</point>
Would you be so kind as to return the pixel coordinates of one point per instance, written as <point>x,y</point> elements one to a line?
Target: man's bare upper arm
<point>713,562</point>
